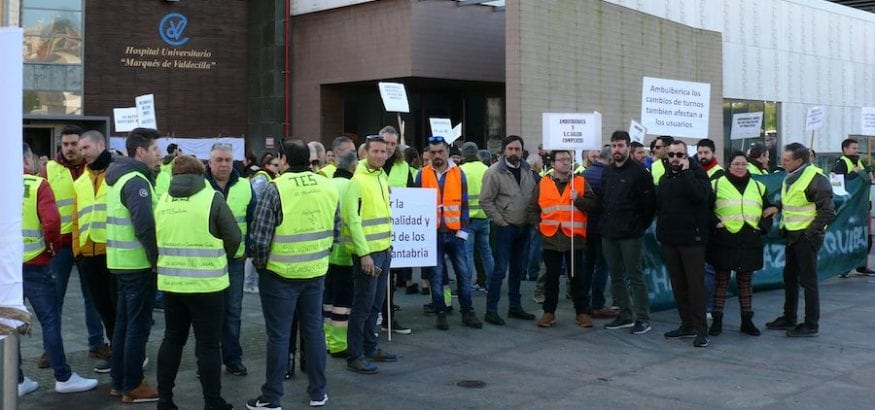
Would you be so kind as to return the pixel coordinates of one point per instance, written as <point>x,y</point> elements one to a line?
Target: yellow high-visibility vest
<point>797,213</point>
<point>31,229</point>
<point>734,208</point>
<point>90,210</point>
<point>61,180</point>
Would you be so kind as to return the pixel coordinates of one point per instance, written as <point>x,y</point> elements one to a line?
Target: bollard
<point>9,372</point>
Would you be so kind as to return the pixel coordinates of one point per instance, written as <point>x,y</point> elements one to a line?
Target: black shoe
<point>802,330</point>
<point>395,307</point>
<point>382,356</point>
<point>469,319</point>
<point>256,404</point>
<point>701,340</point>
<point>683,332</point>
<point>441,323</point>
<point>423,291</point>
<point>236,369</point>
<point>396,328</point>
<point>166,405</point>
<point>519,313</point>
<point>343,354</point>
<point>361,366</point>
<point>716,324</point>
<point>641,327</point>
<point>428,309</point>
<point>412,289</point>
<point>221,405</point>
<point>747,325</point>
<point>619,323</point>
<point>492,317</point>
<point>781,323</point>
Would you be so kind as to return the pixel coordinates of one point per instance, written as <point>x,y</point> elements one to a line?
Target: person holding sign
<point>806,209</point>
<point>296,222</point>
<point>367,215</point>
<point>508,186</point>
<point>736,242</point>
<point>196,231</point>
<point>682,228</point>
<point>850,165</point>
<point>628,201</point>
<point>559,209</point>
<point>452,224</point>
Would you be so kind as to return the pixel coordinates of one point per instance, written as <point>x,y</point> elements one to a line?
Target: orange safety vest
<point>556,209</point>
<point>449,199</point>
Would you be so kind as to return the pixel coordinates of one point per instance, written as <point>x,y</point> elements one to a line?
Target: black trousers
<point>686,269</point>
<point>103,287</point>
<point>204,313</point>
<point>800,269</point>
<point>553,263</point>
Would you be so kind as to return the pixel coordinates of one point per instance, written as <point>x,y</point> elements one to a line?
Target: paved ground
<point>523,366</point>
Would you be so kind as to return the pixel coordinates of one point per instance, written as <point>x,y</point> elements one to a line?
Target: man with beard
<point>638,152</point>
<point>705,152</point>
<point>628,201</point>
<point>850,165</point>
<point>508,186</point>
<point>682,227</point>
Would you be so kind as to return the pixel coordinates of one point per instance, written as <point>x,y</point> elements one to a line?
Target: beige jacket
<point>504,201</point>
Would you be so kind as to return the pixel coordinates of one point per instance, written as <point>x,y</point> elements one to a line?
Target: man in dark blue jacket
<point>595,273</point>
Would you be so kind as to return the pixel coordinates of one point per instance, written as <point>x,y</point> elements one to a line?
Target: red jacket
<point>75,171</point>
<point>50,219</point>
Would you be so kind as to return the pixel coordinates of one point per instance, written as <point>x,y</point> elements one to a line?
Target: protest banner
<point>637,132</point>
<point>572,131</point>
<point>414,230</point>
<point>867,119</point>
<point>676,108</point>
<point>146,116</point>
<point>442,127</point>
<point>746,125</point>
<point>125,119</point>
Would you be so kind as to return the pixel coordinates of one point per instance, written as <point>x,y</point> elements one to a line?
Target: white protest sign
<point>146,111</point>
<point>573,131</point>
<point>867,126</point>
<point>838,184</point>
<point>746,125</point>
<point>125,119</point>
<point>814,119</point>
<point>414,229</point>
<point>457,132</point>
<point>637,132</point>
<point>676,108</point>
<point>394,97</point>
<point>692,150</point>
<point>442,127</point>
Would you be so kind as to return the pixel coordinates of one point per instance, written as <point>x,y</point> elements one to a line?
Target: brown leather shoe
<point>43,362</point>
<point>103,352</point>
<point>115,393</point>
<point>604,313</point>
<point>547,320</point>
<point>584,320</point>
<point>143,393</point>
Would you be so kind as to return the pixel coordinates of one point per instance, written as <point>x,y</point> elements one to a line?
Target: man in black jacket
<point>682,228</point>
<point>628,202</point>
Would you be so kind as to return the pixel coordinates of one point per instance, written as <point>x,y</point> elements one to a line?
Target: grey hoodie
<point>137,197</point>
<point>223,225</point>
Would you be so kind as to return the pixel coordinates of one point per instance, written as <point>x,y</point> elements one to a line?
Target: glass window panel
<point>52,102</point>
<point>52,23</point>
<point>54,4</point>
<point>58,50</point>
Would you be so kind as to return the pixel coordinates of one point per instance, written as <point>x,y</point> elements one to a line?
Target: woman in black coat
<point>740,251</point>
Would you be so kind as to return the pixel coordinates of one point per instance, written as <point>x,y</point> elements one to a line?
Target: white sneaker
<point>75,384</point>
<point>27,386</point>
<point>145,362</point>
<point>319,403</point>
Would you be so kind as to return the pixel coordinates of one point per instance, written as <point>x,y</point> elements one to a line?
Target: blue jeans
<point>39,288</point>
<point>232,353</point>
<point>536,254</point>
<point>136,293</point>
<point>61,268</point>
<point>509,241</point>
<point>709,287</point>
<point>479,237</point>
<point>367,302</point>
<point>280,299</point>
<point>450,245</point>
<point>595,273</point>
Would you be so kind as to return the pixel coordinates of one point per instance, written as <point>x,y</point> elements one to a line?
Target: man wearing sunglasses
<point>682,226</point>
<point>452,224</point>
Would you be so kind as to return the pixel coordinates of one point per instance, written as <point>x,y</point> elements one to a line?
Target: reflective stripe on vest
<point>31,229</point>
<point>474,173</point>
<point>302,242</point>
<point>61,181</point>
<point>91,210</point>
<point>657,170</point>
<point>797,213</point>
<point>340,255</point>
<point>754,170</point>
<point>449,199</point>
<point>123,250</point>
<point>374,209</point>
<point>713,171</point>
<point>190,258</point>
<point>556,209</point>
<point>734,208</point>
<point>238,200</point>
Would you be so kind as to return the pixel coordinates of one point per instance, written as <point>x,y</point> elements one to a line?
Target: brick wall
<point>588,55</point>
